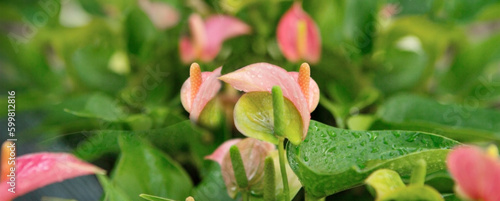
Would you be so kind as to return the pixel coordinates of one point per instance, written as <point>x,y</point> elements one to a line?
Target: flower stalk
<point>278,111</point>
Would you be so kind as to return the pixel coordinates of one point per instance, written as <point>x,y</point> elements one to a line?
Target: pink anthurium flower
<point>199,89</point>
<point>476,172</point>
<point>161,14</point>
<point>207,37</point>
<point>298,36</point>
<point>298,87</point>
<point>221,151</point>
<point>253,153</point>
<point>37,170</point>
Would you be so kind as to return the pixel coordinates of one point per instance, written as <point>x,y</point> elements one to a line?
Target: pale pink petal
<point>476,174</point>
<point>222,150</point>
<point>40,169</point>
<point>186,50</point>
<point>218,29</point>
<point>186,91</point>
<point>208,89</point>
<point>262,77</point>
<point>161,14</point>
<point>313,90</point>
<point>287,35</point>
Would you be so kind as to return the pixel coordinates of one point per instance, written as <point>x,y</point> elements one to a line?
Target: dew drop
<point>306,158</point>
<point>396,133</point>
<point>349,145</point>
<point>332,133</point>
<point>356,134</point>
<point>373,137</point>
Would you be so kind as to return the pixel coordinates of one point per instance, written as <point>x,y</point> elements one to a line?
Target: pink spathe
<point>221,151</point>
<point>208,89</point>
<point>206,37</point>
<point>298,36</point>
<point>476,174</point>
<point>263,76</point>
<point>40,169</point>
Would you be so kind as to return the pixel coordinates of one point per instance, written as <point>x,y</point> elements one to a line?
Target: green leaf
<point>111,191</point>
<point>253,116</point>
<point>331,159</point>
<point>154,198</point>
<point>212,187</point>
<point>144,169</point>
<point>469,69</point>
<point>410,112</point>
<point>171,139</point>
<point>100,106</point>
<point>91,65</point>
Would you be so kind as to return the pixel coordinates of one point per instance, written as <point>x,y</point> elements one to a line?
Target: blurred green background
<point>79,68</point>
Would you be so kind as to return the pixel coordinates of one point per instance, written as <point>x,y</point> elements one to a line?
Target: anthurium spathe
<point>199,89</point>
<point>161,14</point>
<point>298,36</point>
<point>207,36</point>
<point>476,172</point>
<point>40,169</point>
<point>253,153</point>
<point>253,112</point>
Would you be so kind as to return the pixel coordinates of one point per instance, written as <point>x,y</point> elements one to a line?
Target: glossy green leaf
<point>253,116</point>
<point>154,198</point>
<point>99,106</point>
<point>332,159</point>
<point>410,112</point>
<point>143,169</point>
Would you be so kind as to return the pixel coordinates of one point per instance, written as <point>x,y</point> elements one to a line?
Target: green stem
<point>281,151</point>
<point>245,195</point>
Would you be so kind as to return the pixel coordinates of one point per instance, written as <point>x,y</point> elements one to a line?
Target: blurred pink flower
<point>199,89</point>
<point>161,14</point>
<point>40,169</point>
<point>207,37</point>
<point>253,153</point>
<point>298,36</point>
<point>476,172</point>
<point>298,87</point>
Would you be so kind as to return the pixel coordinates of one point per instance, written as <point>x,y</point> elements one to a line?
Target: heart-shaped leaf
<point>467,123</point>
<point>144,169</point>
<point>331,159</point>
<point>253,116</point>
